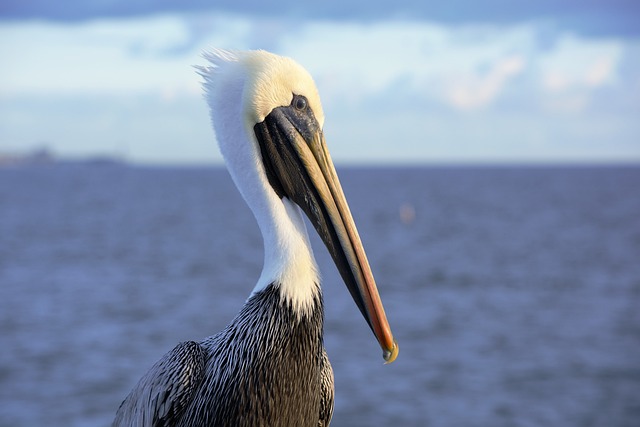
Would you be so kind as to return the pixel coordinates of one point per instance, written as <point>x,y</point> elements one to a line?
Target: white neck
<point>288,258</point>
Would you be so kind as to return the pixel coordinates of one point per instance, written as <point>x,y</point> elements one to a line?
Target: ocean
<point>514,292</point>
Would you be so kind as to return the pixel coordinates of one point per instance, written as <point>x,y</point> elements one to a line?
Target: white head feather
<point>242,88</point>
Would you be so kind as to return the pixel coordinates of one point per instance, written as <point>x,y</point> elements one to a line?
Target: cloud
<point>96,57</point>
<point>471,93</point>
<point>406,66</point>
<point>600,71</point>
<point>596,18</point>
<point>573,74</point>
<point>150,128</point>
<point>392,91</point>
<point>576,61</point>
<point>476,91</point>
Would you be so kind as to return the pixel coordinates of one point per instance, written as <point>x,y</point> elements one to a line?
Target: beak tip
<point>390,355</point>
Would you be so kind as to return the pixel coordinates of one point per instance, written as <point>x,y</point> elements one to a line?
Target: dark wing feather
<point>326,400</point>
<point>161,396</point>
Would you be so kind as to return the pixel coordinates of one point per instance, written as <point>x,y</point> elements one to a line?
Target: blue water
<point>514,292</point>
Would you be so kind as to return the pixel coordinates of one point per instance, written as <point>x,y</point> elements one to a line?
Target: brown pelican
<point>268,367</point>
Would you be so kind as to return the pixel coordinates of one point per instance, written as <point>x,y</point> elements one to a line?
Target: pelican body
<point>268,367</point>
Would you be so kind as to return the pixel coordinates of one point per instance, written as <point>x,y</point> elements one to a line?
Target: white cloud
<point>392,89</point>
<point>477,91</point>
<point>463,68</point>
<point>600,71</point>
<point>575,63</point>
<point>96,57</point>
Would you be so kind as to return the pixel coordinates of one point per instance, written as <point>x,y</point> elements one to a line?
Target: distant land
<point>44,156</point>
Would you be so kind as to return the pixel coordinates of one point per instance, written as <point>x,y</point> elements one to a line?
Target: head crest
<point>270,81</point>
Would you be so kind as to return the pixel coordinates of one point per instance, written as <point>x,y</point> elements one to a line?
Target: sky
<point>418,81</point>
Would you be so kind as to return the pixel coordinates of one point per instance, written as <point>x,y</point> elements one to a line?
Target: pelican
<point>268,367</point>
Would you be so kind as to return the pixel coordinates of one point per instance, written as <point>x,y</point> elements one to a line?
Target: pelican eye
<point>300,103</point>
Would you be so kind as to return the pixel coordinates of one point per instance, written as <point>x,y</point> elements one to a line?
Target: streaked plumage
<point>268,367</point>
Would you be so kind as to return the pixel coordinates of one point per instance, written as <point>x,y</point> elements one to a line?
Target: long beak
<point>299,166</point>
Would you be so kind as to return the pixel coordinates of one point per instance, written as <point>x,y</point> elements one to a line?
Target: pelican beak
<point>298,166</point>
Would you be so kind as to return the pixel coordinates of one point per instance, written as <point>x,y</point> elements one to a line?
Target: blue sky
<point>419,81</point>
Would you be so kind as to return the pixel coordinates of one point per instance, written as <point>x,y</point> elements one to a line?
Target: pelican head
<point>268,119</point>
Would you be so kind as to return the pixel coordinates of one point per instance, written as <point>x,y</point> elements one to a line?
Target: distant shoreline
<point>45,156</point>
